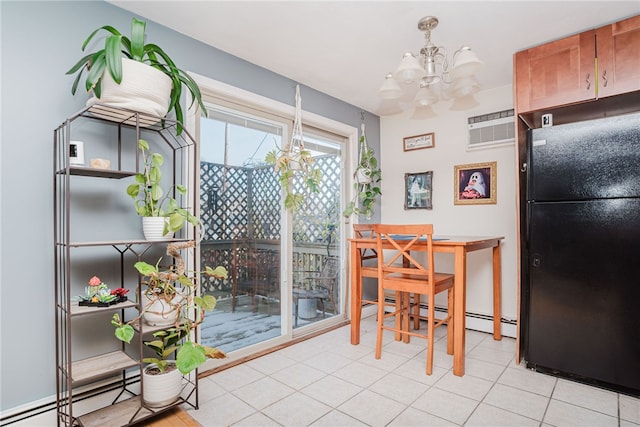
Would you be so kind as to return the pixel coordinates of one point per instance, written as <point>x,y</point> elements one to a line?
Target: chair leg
<point>380,322</point>
<point>322,304</point>
<point>295,312</point>
<point>398,308</point>
<point>406,315</point>
<point>430,329</point>
<point>450,325</point>
<point>416,311</point>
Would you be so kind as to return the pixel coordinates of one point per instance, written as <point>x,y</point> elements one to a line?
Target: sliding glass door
<point>285,270</point>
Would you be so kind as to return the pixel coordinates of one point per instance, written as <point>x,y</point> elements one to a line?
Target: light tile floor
<point>326,381</point>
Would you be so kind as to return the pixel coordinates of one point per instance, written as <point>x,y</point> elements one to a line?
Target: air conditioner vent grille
<point>492,129</point>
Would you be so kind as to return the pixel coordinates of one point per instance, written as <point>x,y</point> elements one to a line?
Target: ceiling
<point>345,48</point>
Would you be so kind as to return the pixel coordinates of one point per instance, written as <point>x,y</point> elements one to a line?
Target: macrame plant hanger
<point>297,139</point>
<point>360,176</point>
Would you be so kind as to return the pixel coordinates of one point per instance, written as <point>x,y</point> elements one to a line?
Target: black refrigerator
<point>583,241</point>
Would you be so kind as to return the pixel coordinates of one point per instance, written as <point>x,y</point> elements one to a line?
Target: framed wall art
<point>417,190</point>
<point>418,142</point>
<point>475,184</point>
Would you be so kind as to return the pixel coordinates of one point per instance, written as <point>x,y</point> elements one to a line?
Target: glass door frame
<point>230,94</point>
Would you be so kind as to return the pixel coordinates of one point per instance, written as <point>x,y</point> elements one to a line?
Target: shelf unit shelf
<point>81,310</point>
<point>113,133</point>
<point>98,367</point>
<point>123,413</point>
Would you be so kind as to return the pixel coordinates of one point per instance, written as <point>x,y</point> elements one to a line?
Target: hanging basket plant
<point>366,181</point>
<point>294,163</point>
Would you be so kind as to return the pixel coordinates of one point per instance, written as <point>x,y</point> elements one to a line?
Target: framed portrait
<point>418,142</point>
<point>417,190</point>
<point>475,184</point>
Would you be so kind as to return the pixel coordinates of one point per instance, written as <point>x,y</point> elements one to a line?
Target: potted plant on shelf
<point>161,214</point>
<point>294,161</point>
<point>129,73</point>
<point>176,338</point>
<point>98,294</point>
<point>366,178</point>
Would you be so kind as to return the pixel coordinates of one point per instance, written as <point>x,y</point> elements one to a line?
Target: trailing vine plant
<point>293,161</point>
<point>366,181</point>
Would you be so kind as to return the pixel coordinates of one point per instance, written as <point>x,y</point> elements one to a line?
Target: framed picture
<point>475,184</point>
<point>417,190</point>
<point>418,142</point>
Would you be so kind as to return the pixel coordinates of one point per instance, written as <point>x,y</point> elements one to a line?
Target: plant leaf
<point>137,39</point>
<point>114,57</point>
<point>124,333</point>
<point>145,269</point>
<point>206,302</point>
<point>190,356</point>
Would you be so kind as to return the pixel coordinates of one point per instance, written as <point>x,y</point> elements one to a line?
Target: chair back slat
<point>399,261</point>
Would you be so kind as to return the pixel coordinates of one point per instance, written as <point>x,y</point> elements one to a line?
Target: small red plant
<point>119,292</point>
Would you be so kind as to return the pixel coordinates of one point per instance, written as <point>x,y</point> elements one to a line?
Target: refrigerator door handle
<point>535,260</point>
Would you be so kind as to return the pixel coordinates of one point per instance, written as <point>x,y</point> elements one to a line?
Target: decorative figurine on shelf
<point>98,294</point>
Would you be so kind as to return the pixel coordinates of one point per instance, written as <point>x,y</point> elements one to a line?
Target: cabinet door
<point>557,73</point>
<point>618,52</point>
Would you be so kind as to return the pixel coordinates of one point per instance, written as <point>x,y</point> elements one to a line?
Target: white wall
<point>450,128</point>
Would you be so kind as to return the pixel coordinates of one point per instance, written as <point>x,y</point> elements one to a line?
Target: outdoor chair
<point>257,275</point>
<point>318,285</point>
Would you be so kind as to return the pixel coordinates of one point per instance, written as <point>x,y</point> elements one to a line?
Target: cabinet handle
<point>604,78</point>
<point>588,82</point>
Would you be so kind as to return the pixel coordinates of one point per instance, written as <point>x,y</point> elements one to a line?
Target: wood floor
<point>176,417</point>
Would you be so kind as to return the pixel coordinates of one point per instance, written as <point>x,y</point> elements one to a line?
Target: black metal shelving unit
<point>81,370</point>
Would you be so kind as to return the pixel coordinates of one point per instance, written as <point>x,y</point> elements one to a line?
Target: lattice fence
<point>240,207</point>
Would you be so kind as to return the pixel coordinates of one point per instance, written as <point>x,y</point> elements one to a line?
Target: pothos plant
<point>294,163</point>
<point>366,182</point>
<point>191,311</point>
<point>150,198</point>
<point>291,164</point>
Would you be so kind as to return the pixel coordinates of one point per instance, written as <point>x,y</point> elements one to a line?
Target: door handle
<point>588,81</point>
<point>535,260</point>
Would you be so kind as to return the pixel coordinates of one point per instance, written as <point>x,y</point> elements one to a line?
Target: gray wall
<point>40,41</point>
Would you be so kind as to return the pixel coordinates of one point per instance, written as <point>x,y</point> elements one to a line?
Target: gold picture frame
<point>418,142</point>
<point>475,184</point>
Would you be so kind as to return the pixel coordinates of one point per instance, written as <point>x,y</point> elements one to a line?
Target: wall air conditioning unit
<point>491,130</point>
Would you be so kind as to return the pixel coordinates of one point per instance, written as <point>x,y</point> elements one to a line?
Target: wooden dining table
<point>459,246</point>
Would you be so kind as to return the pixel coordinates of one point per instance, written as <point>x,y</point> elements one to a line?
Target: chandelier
<point>430,69</point>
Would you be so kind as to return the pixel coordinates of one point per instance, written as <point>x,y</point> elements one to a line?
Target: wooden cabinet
<point>618,54</point>
<point>578,68</point>
<point>95,234</point>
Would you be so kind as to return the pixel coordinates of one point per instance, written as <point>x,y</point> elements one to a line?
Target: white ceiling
<point>345,48</point>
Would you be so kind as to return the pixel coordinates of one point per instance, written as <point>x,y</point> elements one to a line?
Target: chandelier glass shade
<point>431,67</point>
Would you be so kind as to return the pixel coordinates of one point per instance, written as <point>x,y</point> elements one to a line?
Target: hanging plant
<point>366,178</point>
<point>293,161</point>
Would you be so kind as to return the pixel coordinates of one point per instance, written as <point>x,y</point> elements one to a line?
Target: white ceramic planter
<point>161,389</point>
<point>363,177</point>
<point>153,226</point>
<point>143,89</point>
<point>158,312</point>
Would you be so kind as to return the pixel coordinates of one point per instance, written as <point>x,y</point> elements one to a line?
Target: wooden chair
<point>371,271</point>
<point>400,270</point>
